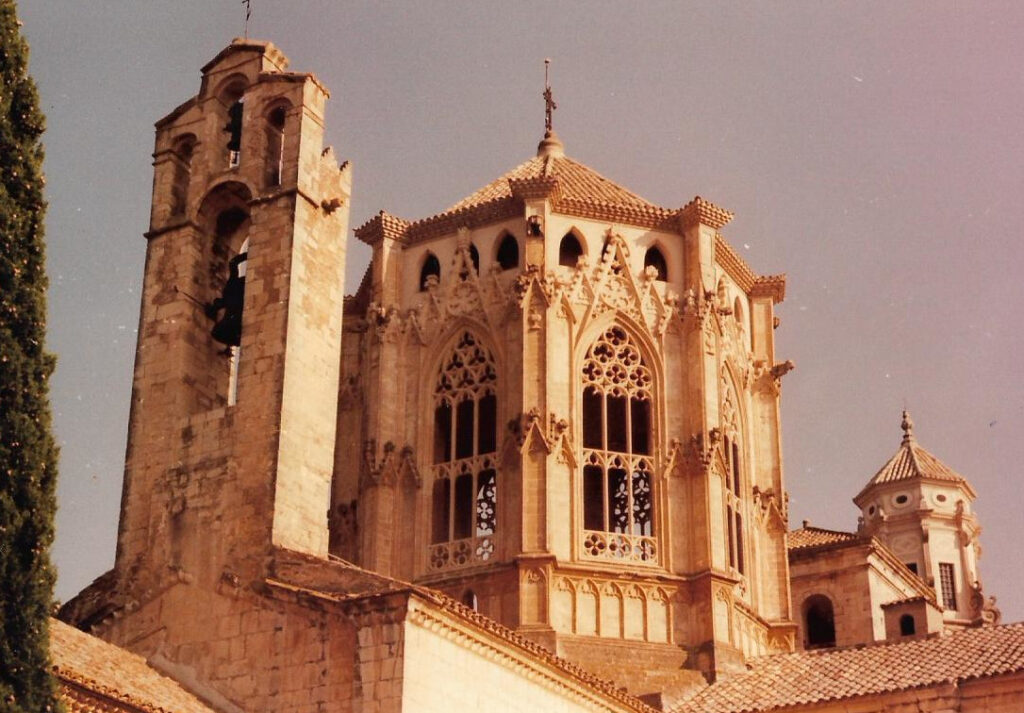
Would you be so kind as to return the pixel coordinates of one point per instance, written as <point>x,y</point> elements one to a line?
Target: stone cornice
<point>734,265</point>
<point>703,212</point>
<point>773,286</point>
<point>536,188</point>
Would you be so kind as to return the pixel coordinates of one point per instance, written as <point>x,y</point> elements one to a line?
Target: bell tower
<point>924,512</point>
<point>234,399</point>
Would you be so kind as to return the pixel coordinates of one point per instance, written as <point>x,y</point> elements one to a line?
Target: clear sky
<point>871,150</point>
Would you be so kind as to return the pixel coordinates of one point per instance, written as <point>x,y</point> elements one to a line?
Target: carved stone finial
<point>908,427</point>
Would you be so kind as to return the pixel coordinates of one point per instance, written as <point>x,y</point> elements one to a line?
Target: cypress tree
<point>28,455</point>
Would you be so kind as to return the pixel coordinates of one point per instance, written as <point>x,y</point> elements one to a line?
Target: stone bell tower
<point>231,434</point>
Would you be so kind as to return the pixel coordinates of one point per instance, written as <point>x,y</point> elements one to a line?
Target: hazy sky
<point>871,150</point>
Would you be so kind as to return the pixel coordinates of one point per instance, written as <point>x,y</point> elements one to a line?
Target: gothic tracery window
<point>733,455</point>
<point>465,487</point>
<point>618,445</point>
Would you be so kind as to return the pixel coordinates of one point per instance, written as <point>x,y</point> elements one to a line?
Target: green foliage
<point>28,456</point>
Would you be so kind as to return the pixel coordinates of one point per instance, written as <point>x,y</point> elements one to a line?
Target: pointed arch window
<point>569,250</point>
<point>508,253</point>
<point>431,268</point>
<point>654,258</point>
<point>474,256</point>
<point>733,481</point>
<point>618,445</point>
<point>465,484</point>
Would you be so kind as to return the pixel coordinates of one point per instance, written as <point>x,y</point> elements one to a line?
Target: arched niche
<point>819,622</point>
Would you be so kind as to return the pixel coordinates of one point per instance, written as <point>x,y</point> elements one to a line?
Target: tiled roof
<point>817,676</point>
<point>808,536</point>
<point>575,181</point>
<point>912,462</point>
<point>95,677</point>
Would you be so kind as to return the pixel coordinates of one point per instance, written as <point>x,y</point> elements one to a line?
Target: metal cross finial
<point>248,14</point>
<point>549,102</point>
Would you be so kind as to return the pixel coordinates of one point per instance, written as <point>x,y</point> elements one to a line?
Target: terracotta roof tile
<point>814,676</point>
<point>97,676</point>
<point>808,536</point>
<point>575,181</point>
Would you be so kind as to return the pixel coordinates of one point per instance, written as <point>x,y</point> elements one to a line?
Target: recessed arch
<point>571,249</point>
<point>470,599</point>
<point>474,257</point>
<point>819,622</point>
<point>908,627</point>
<point>507,255</point>
<point>182,149</point>
<point>738,311</point>
<point>429,268</point>
<point>275,117</point>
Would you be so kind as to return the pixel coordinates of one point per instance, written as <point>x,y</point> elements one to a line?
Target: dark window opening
<point>441,510</point>
<point>908,627</point>
<point>912,566</point>
<point>655,259</point>
<point>948,585</point>
<point>442,432</point>
<point>275,146</point>
<point>593,498</point>
<point>820,622</point>
<point>640,425</point>
<point>234,131</point>
<point>226,310</point>
<point>592,419</point>
<point>464,429</point>
<point>470,600</point>
<point>617,419</point>
<point>569,251</point>
<point>508,253</point>
<point>431,268</point>
<point>463,506</point>
<point>474,256</point>
<point>487,424</point>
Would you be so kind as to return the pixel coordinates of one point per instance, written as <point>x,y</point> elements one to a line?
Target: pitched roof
<point>912,462</point>
<point>575,180</point>
<point>808,536</point>
<point>835,674</point>
<point>95,676</point>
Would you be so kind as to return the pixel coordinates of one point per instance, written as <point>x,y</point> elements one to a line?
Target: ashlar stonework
<point>533,462</point>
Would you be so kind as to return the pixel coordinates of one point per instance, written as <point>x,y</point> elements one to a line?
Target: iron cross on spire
<point>248,14</point>
<point>549,102</point>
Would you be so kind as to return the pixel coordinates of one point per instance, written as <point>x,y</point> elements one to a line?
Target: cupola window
<point>618,512</point>
<point>654,258</point>
<point>465,487</point>
<point>431,269</point>
<point>907,625</point>
<point>508,253</point>
<point>569,251</point>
